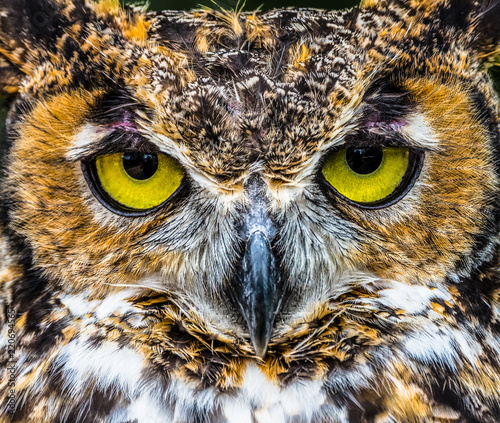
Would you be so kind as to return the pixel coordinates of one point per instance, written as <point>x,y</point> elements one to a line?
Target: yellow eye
<point>370,176</point>
<point>138,181</point>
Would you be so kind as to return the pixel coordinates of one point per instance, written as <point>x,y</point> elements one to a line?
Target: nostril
<point>256,216</point>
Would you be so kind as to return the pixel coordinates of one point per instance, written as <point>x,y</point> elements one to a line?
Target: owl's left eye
<point>134,181</point>
<point>372,176</point>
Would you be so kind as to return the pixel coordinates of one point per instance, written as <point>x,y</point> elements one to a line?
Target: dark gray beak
<point>259,296</point>
<point>257,289</point>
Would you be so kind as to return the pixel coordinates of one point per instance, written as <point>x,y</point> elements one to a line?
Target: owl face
<point>287,215</point>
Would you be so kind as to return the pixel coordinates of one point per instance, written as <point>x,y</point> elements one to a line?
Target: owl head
<point>310,194</point>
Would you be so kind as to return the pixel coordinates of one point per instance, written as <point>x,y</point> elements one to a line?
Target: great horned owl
<point>282,216</point>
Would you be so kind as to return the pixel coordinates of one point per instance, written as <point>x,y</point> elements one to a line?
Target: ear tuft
<point>35,31</point>
<point>478,20</point>
<point>24,22</point>
<point>486,29</point>
<point>476,23</point>
<point>28,28</point>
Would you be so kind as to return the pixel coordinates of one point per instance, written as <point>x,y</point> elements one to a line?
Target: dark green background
<point>250,4</point>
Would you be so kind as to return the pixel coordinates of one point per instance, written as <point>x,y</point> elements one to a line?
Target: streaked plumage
<point>257,292</point>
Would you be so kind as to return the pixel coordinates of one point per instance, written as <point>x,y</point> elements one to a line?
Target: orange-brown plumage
<point>257,291</point>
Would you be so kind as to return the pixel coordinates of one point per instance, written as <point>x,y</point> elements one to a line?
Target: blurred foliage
<point>495,76</point>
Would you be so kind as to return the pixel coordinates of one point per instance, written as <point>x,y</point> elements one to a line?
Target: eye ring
<point>91,175</point>
<point>415,164</point>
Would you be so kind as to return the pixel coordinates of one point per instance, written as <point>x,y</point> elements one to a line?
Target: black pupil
<point>364,160</point>
<point>140,166</point>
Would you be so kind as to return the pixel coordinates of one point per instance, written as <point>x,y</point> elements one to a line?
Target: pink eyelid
<point>386,126</point>
<point>125,126</point>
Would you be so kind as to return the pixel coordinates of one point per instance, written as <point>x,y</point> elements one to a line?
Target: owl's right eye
<point>134,182</point>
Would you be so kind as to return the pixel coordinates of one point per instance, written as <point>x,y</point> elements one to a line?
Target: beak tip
<point>257,291</point>
<point>260,347</point>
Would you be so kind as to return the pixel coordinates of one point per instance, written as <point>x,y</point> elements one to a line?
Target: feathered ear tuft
<point>478,20</point>
<point>29,29</point>
<point>476,23</point>
<point>36,31</point>
<point>486,29</point>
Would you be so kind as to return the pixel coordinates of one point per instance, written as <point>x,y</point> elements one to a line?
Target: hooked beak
<point>257,289</point>
<point>259,297</point>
